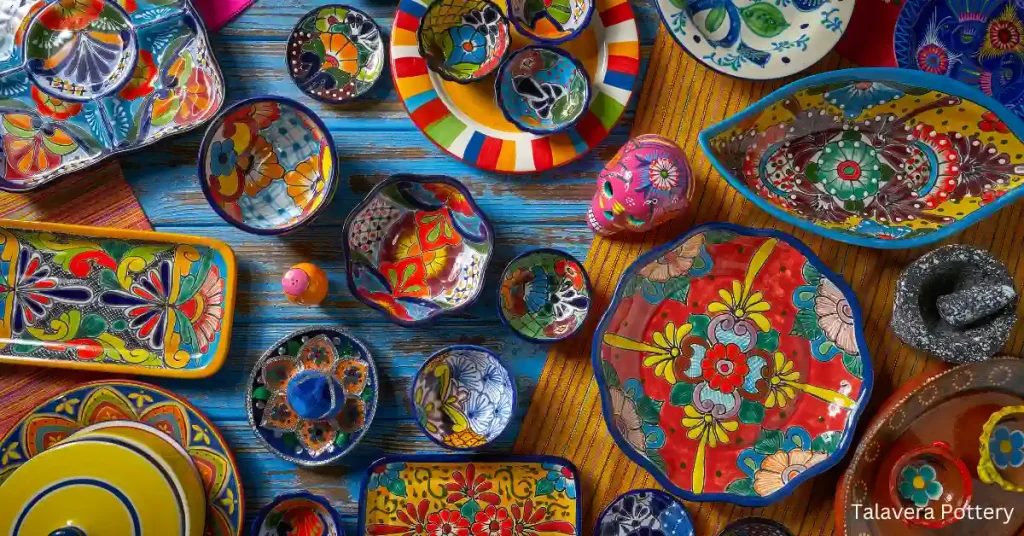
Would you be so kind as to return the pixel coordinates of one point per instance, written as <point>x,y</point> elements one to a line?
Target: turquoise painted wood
<point>375,138</point>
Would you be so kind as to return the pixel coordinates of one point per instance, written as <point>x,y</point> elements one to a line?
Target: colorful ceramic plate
<point>335,53</point>
<point>644,512</point>
<point>884,158</point>
<point>96,402</point>
<point>544,295</point>
<point>759,40</point>
<point>550,21</point>
<point>293,513</point>
<point>542,90</point>
<point>417,247</point>
<point>732,365</point>
<point>463,41</point>
<point>131,302</point>
<point>465,121</point>
<point>84,80</point>
<point>534,494</point>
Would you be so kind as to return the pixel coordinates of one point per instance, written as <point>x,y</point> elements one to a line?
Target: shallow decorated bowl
<point>268,166</point>
<point>298,513</point>
<point>885,158</point>
<point>544,295</point>
<point>542,90</point>
<point>417,247</point>
<point>463,397</point>
<point>463,41</point>
<point>335,53</point>
<point>644,512</point>
<point>1001,460</point>
<point>933,482</point>
<point>550,21</point>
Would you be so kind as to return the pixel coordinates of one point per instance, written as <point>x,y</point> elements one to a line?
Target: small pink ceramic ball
<point>305,284</point>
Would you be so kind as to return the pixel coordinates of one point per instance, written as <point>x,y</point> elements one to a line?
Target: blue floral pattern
<point>559,478</point>
<point>919,484</point>
<point>1006,447</point>
<point>468,46</point>
<point>644,513</point>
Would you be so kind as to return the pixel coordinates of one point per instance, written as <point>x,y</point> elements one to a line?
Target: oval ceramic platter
<point>885,158</point>
<point>91,403</point>
<point>732,365</point>
<point>754,39</point>
<point>84,80</point>
<point>465,120</point>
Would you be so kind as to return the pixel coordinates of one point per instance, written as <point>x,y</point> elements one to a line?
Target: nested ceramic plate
<point>335,53</point>
<point>644,512</point>
<point>732,365</point>
<point>96,402</point>
<point>759,40</point>
<point>82,81</point>
<point>885,158</point>
<point>465,121</point>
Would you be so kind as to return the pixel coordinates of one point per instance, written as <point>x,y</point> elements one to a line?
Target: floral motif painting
<point>732,365</point>
<point>542,89</point>
<point>644,512</point>
<point>335,53</point>
<point>463,40</point>
<point>544,295</point>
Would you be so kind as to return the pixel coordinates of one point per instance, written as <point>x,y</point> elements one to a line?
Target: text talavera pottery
<point>732,365</point>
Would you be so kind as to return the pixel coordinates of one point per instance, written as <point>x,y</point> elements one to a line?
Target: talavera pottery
<point>1001,459</point>
<point>933,482</point>
<point>82,81</point>
<point>463,41</point>
<point>312,396</point>
<point>644,511</point>
<point>298,513</point>
<point>542,90</point>
<point>732,365</point>
<point>534,494</point>
<point>645,184</point>
<point>268,165</point>
<point>760,40</point>
<point>550,21</point>
<point>463,397</point>
<point>544,295</point>
<point>885,158</point>
<point>122,400</point>
<point>335,53</point>
<point>111,300</point>
<point>951,407</point>
<point>465,121</point>
<point>755,526</point>
<point>417,247</point>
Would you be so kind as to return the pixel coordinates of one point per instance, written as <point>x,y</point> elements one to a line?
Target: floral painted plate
<point>335,53</point>
<point>545,295</point>
<point>755,39</point>
<point>732,365</point>
<point>884,158</point>
<point>465,494</point>
<point>81,81</point>
<point>124,400</point>
<point>644,512</point>
<point>465,121</point>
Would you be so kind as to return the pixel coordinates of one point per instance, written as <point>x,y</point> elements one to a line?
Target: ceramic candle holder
<point>298,513</point>
<point>1002,449</point>
<point>335,53</point>
<point>542,90</point>
<point>550,21</point>
<point>544,295</point>
<point>463,40</point>
<point>933,481</point>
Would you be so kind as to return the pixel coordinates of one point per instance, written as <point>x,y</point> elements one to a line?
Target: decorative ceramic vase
<point>550,21</point>
<point>1001,459</point>
<point>305,284</point>
<point>933,482</point>
<point>647,183</point>
<point>544,295</point>
<point>542,90</point>
<point>298,513</point>
<point>638,509</point>
<point>463,41</point>
<point>335,53</point>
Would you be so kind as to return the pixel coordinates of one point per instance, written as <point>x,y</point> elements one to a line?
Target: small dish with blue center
<point>544,295</point>
<point>542,90</point>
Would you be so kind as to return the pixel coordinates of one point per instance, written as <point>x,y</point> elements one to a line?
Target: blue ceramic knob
<point>315,396</point>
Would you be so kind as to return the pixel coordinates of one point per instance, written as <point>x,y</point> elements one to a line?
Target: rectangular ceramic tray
<point>113,300</point>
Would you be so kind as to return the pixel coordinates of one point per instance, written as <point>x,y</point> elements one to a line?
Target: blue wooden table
<point>374,138</point>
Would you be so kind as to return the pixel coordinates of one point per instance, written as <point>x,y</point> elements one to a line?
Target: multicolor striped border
<point>518,152</point>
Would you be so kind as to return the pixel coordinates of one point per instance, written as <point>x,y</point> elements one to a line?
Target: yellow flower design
<point>780,388</point>
<point>741,302</point>
<point>707,428</point>
<point>667,347</point>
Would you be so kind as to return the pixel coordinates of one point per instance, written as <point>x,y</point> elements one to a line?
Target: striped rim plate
<point>466,122</point>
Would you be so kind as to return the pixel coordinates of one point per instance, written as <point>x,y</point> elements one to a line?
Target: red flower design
<point>53,107</point>
<point>141,83</point>
<point>71,15</point>
<point>571,271</point>
<point>447,523</point>
<point>451,196</point>
<point>724,367</point>
<point>492,521</point>
<point>304,522</point>
<point>528,521</point>
<point>471,486</point>
<point>413,519</point>
<point>991,123</point>
<point>989,196</point>
<point>435,230</point>
<point>407,277</point>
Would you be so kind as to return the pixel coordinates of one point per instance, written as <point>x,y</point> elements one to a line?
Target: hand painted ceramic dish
<point>417,247</point>
<point>312,396</point>
<point>463,397</point>
<point>885,158</point>
<point>544,295</point>
<point>732,365</point>
<point>465,121</point>
<point>335,53</point>
<point>534,494</point>
<point>116,301</point>
<point>644,511</point>
<point>82,81</point>
<point>463,41</point>
<point>98,402</point>
<point>755,526</point>
<point>550,21</point>
<point>1001,456</point>
<point>933,482</point>
<point>298,513</point>
<point>542,90</point>
<point>759,40</point>
<point>268,165</point>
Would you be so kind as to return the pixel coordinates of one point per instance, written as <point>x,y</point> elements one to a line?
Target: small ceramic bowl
<point>641,508</point>
<point>463,41</point>
<point>335,53</point>
<point>463,397</point>
<point>542,90</point>
<point>1002,449</point>
<point>544,295</point>
<point>755,526</point>
<point>295,513</point>
<point>268,166</point>
<point>551,22</point>
<point>934,482</point>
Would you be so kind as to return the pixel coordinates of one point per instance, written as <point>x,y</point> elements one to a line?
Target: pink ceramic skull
<point>647,183</point>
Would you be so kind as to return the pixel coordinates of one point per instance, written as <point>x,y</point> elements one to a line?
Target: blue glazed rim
<point>865,390</point>
<point>211,131</point>
<point>440,353</point>
<point>586,282</point>
<point>902,76</point>
<point>408,177</point>
<point>652,491</point>
<point>499,79</point>
<point>322,501</point>
<point>526,32</point>
<point>502,18</point>
<point>469,458</point>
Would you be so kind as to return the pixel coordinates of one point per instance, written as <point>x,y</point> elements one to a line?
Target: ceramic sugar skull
<point>647,183</point>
